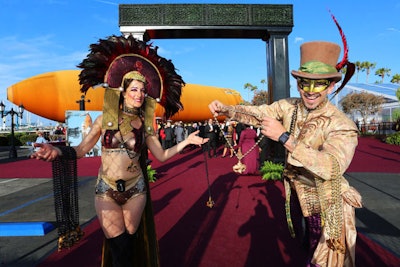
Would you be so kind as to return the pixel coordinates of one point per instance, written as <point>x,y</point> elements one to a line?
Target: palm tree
<point>264,82</point>
<point>359,67</point>
<point>381,72</point>
<point>395,78</point>
<point>368,66</point>
<point>249,86</point>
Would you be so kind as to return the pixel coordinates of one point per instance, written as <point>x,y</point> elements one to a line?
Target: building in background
<point>387,90</point>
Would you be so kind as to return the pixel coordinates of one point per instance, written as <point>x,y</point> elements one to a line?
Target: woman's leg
<point>224,152</point>
<point>121,248</point>
<point>119,223</point>
<point>110,216</point>
<point>132,211</point>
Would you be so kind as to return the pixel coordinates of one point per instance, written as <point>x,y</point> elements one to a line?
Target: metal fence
<point>381,128</point>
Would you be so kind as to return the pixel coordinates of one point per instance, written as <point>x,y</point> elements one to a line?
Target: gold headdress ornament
<point>112,60</point>
<point>134,75</point>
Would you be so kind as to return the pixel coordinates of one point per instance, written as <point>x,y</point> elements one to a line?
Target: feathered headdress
<point>110,59</point>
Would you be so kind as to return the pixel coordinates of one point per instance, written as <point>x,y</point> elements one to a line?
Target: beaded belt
<point>102,188</point>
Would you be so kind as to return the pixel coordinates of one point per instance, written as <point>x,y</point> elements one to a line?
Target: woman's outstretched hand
<point>46,152</point>
<point>195,139</point>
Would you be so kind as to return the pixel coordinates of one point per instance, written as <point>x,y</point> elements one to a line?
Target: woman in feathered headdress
<point>135,78</point>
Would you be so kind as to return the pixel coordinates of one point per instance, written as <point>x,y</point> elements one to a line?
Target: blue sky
<point>48,35</point>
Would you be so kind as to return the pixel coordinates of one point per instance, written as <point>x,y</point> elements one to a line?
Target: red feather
<point>342,63</point>
<point>350,67</point>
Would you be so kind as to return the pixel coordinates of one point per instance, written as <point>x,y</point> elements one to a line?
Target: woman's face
<point>134,94</point>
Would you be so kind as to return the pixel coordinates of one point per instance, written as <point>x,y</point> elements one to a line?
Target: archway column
<point>278,67</point>
<point>278,80</point>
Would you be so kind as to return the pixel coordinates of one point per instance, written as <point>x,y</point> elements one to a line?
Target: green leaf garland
<point>271,171</point>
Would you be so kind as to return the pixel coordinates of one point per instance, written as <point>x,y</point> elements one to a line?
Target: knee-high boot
<point>122,250</point>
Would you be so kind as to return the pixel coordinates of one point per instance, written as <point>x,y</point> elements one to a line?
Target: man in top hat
<point>320,142</point>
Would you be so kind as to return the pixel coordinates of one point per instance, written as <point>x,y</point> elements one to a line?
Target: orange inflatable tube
<point>50,94</point>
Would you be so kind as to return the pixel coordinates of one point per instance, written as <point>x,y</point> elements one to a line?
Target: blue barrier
<point>25,228</point>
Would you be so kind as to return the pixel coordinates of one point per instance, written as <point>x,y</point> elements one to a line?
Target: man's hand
<point>272,128</point>
<point>216,107</point>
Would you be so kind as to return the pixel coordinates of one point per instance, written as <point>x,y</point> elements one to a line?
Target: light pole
<point>3,113</point>
<point>81,102</point>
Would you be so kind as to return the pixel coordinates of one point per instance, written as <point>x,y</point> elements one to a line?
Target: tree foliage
<point>260,98</point>
<point>382,72</point>
<point>367,67</point>
<point>395,78</point>
<point>250,87</point>
<point>398,93</point>
<point>396,114</point>
<point>364,103</point>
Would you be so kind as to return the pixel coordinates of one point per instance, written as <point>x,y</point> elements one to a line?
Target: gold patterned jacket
<point>326,144</point>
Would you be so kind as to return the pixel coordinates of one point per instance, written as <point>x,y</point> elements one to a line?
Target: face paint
<point>313,86</point>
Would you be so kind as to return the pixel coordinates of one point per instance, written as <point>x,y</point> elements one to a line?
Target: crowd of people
<point>225,136</point>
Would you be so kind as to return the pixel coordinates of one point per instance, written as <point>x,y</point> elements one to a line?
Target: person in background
<point>228,133</point>
<point>320,141</point>
<point>201,127</point>
<point>39,140</point>
<point>247,147</point>
<point>211,133</point>
<point>169,135</point>
<point>264,151</point>
<point>190,128</point>
<point>239,128</point>
<point>179,132</point>
<point>161,133</point>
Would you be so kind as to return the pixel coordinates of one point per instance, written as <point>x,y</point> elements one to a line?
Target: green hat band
<point>317,67</point>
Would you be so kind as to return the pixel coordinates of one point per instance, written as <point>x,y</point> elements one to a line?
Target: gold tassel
<point>336,245</point>
<point>210,202</point>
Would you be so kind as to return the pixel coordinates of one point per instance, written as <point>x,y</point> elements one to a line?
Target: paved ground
<point>22,152</point>
<point>379,218</point>
<point>31,200</point>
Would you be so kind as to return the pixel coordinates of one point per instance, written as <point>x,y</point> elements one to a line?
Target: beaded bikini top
<point>112,139</point>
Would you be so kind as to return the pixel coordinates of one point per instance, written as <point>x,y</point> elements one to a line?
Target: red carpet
<point>247,226</point>
<point>32,168</point>
<point>373,155</point>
